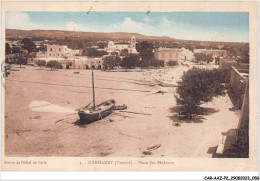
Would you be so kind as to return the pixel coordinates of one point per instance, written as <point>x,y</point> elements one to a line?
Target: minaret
<point>133,42</point>
<point>133,45</point>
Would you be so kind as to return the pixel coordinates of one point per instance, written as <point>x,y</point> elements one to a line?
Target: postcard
<point>129,86</point>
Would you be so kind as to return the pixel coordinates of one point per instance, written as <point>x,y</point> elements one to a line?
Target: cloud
<point>20,20</point>
<point>128,25</point>
<point>166,27</point>
<point>146,19</point>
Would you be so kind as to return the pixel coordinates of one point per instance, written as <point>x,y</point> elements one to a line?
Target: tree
<point>197,86</point>
<point>91,52</point>
<point>111,61</point>
<point>131,61</point>
<point>157,63</point>
<point>145,50</point>
<point>7,49</point>
<point>124,52</point>
<point>147,57</point>
<point>202,57</point>
<point>16,49</point>
<point>172,63</point>
<point>244,56</point>
<point>53,64</point>
<point>144,45</point>
<point>21,59</point>
<point>41,63</point>
<point>43,48</point>
<point>29,45</point>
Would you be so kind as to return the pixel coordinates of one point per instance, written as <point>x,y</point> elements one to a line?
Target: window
<point>50,49</point>
<point>59,50</point>
<point>58,54</point>
<point>50,54</point>
<point>54,55</point>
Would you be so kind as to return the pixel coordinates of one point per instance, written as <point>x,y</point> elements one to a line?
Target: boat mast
<point>94,105</point>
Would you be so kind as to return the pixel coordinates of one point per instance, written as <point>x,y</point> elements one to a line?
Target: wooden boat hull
<point>89,117</point>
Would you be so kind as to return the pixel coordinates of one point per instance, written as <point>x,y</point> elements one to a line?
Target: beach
<point>41,118</point>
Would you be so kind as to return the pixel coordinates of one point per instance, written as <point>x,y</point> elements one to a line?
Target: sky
<point>206,26</point>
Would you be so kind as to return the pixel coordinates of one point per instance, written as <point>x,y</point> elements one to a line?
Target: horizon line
<point>75,31</point>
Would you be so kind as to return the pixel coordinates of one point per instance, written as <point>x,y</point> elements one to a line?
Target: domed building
<point>117,47</point>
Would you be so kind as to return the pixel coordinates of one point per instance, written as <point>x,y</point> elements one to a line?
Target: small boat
<point>89,115</point>
<point>120,107</point>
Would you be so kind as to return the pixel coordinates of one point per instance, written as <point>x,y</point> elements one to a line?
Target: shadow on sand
<point>52,70</point>
<point>80,124</point>
<point>178,115</point>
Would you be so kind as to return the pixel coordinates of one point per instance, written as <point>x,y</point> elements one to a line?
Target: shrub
<point>91,52</point>
<point>157,63</point>
<point>124,52</point>
<point>131,61</point>
<point>172,63</point>
<point>111,61</point>
<point>202,57</point>
<point>221,75</point>
<point>54,65</point>
<point>41,63</point>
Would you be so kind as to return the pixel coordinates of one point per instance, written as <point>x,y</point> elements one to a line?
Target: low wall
<point>238,84</point>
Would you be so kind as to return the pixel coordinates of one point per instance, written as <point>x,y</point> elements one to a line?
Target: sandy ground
<point>40,104</point>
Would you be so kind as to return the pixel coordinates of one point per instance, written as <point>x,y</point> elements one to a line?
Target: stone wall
<point>244,116</point>
<point>238,84</point>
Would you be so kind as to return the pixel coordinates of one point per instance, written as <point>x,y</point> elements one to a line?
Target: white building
<point>68,59</point>
<point>186,54</point>
<point>60,51</point>
<point>167,54</point>
<point>115,47</point>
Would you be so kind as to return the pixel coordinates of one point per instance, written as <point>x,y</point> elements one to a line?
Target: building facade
<point>84,62</point>
<point>116,47</point>
<point>60,51</point>
<point>167,54</point>
<point>76,62</point>
<point>214,52</point>
<point>186,54</point>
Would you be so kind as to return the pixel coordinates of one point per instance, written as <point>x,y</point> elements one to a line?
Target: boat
<point>89,114</point>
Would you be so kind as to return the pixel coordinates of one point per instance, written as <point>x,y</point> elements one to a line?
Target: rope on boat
<point>100,116</point>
